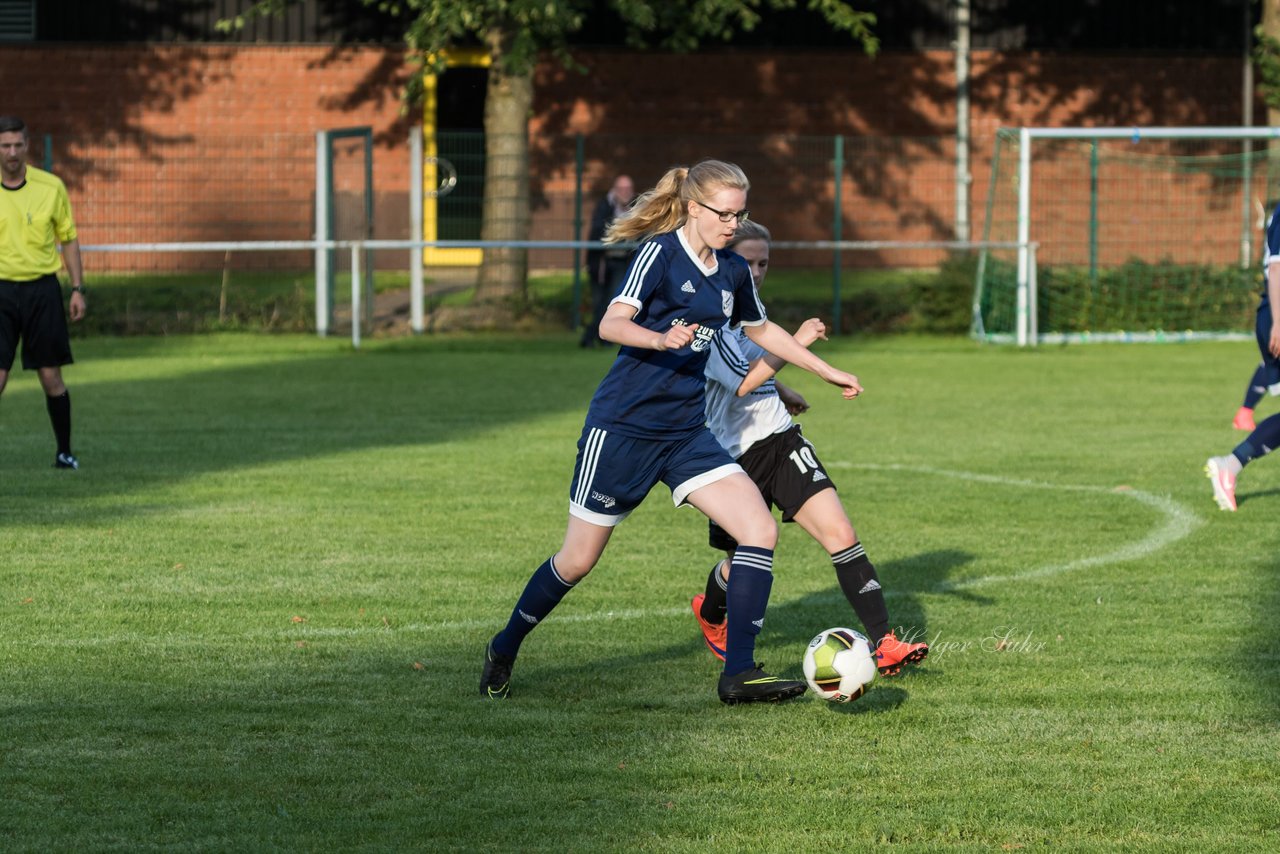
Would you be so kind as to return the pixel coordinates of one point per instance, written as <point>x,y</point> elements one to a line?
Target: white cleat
<point>1224,483</point>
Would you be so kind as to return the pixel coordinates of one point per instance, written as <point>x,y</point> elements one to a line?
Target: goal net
<point>1142,234</point>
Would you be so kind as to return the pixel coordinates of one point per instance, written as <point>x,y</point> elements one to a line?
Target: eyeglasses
<point>741,216</point>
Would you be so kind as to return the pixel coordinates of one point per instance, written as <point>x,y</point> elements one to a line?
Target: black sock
<point>60,416</point>
<point>861,587</point>
<point>716,601</point>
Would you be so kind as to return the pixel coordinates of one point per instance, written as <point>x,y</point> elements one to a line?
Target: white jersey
<point>740,422</point>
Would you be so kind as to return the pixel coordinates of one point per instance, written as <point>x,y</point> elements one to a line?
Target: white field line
<point>1176,523</point>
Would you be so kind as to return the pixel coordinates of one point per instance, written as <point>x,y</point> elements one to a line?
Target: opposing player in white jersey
<point>646,421</point>
<point>750,414</point>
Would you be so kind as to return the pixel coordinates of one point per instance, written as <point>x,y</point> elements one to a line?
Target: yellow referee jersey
<point>31,218</point>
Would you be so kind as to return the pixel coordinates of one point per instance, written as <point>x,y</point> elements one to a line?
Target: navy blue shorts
<point>614,473</point>
<point>1262,330</point>
<point>34,312</point>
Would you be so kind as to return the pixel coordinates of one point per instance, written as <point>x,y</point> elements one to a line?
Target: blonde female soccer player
<point>646,424</point>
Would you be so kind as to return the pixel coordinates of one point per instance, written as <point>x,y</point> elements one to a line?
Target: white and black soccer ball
<point>839,665</point>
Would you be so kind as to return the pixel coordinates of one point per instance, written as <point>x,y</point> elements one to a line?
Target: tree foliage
<point>518,32</point>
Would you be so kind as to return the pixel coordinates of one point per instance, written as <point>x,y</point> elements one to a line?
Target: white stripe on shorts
<point>590,459</point>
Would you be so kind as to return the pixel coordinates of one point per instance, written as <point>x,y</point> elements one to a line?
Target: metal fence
<point>211,187</point>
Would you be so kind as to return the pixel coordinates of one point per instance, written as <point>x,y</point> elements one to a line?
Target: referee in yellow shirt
<point>35,216</point>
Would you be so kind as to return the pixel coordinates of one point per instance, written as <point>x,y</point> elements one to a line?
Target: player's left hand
<point>76,307</point>
<point>810,331</point>
<point>792,400</point>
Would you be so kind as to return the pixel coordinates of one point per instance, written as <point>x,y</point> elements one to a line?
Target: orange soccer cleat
<point>892,653</point>
<point>715,635</point>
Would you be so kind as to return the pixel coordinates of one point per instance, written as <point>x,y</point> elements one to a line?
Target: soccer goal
<point>1125,234</point>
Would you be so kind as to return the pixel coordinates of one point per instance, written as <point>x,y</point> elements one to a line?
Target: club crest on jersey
<point>726,302</point>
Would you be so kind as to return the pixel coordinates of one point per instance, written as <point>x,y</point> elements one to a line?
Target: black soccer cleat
<point>65,461</point>
<point>756,686</point>
<point>495,679</point>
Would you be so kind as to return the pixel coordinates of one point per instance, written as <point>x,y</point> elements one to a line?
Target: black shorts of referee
<point>34,313</point>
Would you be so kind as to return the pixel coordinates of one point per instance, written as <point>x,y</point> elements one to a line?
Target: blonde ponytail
<point>665,207</point>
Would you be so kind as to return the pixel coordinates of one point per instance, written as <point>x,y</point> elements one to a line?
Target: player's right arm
<point>618,327</point>
<point>647,271</point>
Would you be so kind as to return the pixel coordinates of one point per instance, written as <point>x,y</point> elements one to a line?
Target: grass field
<point>254,619</point>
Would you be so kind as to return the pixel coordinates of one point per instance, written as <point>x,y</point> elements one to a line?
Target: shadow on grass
<point>238,408</point>
<point>788,626</point>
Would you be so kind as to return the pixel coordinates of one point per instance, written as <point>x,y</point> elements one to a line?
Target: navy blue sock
<point>1257,387</point>
<point>541,595</point>
<point>750,579</point>
<point>1261,441</point>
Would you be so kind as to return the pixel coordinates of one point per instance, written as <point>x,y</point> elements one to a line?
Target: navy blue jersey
<point>1272,253</point>
<point>659,393</point>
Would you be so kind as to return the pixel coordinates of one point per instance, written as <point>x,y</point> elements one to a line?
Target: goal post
<point>343,211</point>
<point>1128,234</point>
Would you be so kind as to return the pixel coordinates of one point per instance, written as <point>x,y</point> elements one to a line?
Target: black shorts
<point>788,473</point>
<point>34,312</point>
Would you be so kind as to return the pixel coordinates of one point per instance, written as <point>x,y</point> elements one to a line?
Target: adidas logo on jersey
<point>869,586</point>
<point>688,287</point>
<point>818,475</point>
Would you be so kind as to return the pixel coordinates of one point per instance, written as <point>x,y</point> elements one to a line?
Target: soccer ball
<point>839,665</point>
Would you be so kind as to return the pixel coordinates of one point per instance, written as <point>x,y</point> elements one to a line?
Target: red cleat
<point>716,636</point>
<point>1244,419</point>
<point>892,653</point>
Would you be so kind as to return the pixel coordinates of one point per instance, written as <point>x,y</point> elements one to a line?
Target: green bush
<point>942,303</point>
<point>1140,296</point>
<point>1134,296</point>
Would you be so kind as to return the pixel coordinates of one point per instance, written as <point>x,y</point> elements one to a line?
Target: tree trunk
<point>506,180</point>
<point>1271,27</point>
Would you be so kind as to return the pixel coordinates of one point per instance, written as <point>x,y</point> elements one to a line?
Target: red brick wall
<point>896,111</point>
<point>168,142</point>
<point>184,143</point>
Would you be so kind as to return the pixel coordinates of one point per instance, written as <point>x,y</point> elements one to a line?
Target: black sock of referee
<point>715,602</point>
<point>60,416</point>
<point>861,587</point>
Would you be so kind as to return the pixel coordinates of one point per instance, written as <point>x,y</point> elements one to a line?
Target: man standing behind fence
<point>35,216</point>
<point>605,267</point>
